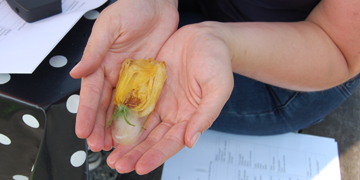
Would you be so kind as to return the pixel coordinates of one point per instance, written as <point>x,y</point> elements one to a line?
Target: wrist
<point>173,3</point>
<point>222,32</point>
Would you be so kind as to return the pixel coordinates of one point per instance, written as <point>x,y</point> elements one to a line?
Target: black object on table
<point>34,10</point>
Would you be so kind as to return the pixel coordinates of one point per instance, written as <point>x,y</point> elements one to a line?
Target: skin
<point>318,53</point>
<point>118,34</point>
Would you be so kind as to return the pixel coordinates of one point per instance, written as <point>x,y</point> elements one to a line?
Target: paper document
<point>222,156</point>
<point>24,45</point>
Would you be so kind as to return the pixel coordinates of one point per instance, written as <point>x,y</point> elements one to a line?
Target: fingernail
<point>111,162</point>
<point>194,139</point>
<point>75,67</point>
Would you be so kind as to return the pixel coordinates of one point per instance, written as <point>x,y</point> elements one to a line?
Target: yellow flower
<point>138,89</point>
<point>140,84</point>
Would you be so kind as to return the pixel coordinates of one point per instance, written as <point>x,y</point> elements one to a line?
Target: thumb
<point>100,40</point>
<point>208,110</point>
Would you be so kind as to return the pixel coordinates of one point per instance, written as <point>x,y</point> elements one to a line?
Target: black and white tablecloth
<point>37,114</point>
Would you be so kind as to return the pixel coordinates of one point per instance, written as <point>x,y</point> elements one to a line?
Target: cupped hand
<point>126,29</point>
<point>199,82</point>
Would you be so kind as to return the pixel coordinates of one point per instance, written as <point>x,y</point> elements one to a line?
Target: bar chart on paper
<point>219,156</point>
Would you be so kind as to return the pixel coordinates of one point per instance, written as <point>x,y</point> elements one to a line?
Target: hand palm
<point>125,29</point>
<point>133,33</point>
<point>198,85</point>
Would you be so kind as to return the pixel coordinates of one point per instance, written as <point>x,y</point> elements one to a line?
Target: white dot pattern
<point>4,140</point>
<point>58,61</point>
<point>20,177</point>
<point>30,121</point>
<point>4,78</point>
<point>91,15</point>
<point>72,103</point>
<point>78,158</point>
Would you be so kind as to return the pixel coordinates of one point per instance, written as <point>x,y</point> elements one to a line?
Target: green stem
<point>127,121</point>
<point>120,111</point>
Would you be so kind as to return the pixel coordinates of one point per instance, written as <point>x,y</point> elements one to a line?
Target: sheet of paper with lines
<point>24,45</point>
<point>220,156</point>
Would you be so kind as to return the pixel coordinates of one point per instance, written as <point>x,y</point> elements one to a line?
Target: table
<point>37,115</point>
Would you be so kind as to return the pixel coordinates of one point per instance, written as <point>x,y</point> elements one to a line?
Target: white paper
<point>24,45</point>
<point>223,156</point>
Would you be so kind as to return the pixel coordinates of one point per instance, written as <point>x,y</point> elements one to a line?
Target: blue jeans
<point>255,108</point>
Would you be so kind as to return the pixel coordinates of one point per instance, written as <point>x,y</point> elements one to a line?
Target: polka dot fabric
<point>21,133</point>
<point>38,113</point>
<point>4,78</point>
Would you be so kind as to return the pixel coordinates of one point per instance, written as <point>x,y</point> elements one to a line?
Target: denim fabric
<point>255,108</point>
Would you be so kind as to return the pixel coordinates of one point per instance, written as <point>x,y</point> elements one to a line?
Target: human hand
<point>126,29</point>
<point>199,82</point>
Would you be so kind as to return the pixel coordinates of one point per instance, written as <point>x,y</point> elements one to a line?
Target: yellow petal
<point>140,84</point>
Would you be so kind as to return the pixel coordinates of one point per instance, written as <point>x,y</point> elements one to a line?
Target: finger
<point>208,110</point>
<point>127,163</point>
<point>120,151</point>
<point>169,145</point>
<point>102,37</point>
<point>116,154</point>
<point>91,88</point>
<point>97,137</point>
<point>108,141</point>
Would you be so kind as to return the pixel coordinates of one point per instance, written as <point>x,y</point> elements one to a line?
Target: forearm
<point>318,53</point>
<point>298,56</point>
